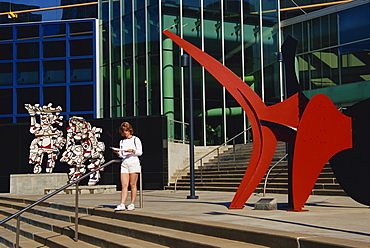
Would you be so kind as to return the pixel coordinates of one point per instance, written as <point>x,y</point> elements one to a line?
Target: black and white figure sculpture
<point>48,139</point>
<point>83,145</point>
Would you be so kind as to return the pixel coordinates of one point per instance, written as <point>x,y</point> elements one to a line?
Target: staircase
<point>225,172</point>
<point>52,225</point>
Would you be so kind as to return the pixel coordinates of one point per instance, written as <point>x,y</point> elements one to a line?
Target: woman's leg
<point>133,185</point>
<point>124,183</point>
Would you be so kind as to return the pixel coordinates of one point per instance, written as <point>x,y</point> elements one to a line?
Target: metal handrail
<point>268,173</point>
<point>217,148</point>
<point>184,124</point>
<point>76,182</point>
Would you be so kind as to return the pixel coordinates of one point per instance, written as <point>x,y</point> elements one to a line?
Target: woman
<point>130,149</point>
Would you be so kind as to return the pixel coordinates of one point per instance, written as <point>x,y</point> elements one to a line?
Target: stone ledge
<point>97,189</point>
<point>34,184</point>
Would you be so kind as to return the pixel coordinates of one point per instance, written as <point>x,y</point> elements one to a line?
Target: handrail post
<point>17,231</point>
<point>234,149</point>
<point>141,190</point>
<point>76,213</point>
<point>218,159</point>
<point>201,170</point>
<point>268,173</point>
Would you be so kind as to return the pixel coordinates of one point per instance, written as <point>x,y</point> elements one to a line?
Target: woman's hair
<point>125,126</point>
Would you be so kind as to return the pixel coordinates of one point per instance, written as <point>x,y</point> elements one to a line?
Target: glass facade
<point>46,58</point>
<point>142,73</point>
<point>51,62</point>
<point>333,50</point>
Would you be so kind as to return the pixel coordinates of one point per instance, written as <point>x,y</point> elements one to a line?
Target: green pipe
<point>168,85</point>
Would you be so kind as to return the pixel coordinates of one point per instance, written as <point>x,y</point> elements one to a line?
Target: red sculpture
<point>316,128</point>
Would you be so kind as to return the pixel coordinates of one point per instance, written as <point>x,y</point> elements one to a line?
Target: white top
<point>131,143</point>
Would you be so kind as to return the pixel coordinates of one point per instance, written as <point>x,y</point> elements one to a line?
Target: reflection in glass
<point>116,90</point>
<point>6,96</point>
<point>81,47</point>
<point>6,33</point>
<point>116,45</point>
<point>55,95</point>
<point>27,95</point>
<point>27,50</point>
<point>81,70</point>
<point>54,71</point>
<point>54,49</point>
<point>80,28</point>
<point>355,62</point>
<point>6,73</point>
<point>27,32</point>
<point>28,73</point>
<point>81,98</point>
<point>54,30</point>
<point>6,51</point>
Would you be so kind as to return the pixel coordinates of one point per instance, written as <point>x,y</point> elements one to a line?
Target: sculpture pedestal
<point>266,204</point>
<point>35,184</point>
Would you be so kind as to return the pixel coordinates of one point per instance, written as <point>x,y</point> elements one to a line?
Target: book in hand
<point>116,149</point>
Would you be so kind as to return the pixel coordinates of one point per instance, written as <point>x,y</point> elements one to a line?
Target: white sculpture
<point>83,145</point>
<point>48,139</point>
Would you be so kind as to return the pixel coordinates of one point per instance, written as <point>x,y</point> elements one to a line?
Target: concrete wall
<point>178,153</point>
<point>178,157</point>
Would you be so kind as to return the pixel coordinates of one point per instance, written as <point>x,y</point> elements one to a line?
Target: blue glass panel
<point>81,97</point>
<point>191,3</point>
<point>54,49</point>
<point>127,8</point>
<point>6,51</point>
<point>115,9</point>
<point>54,30</point>
<point>6,33</point>
<point>54,71</point>
<point>81,28</point>
<point>55,95</point>
<point>6,73</point>
<point>81,47</point>
<point>6,97</point>
<point>81,70</point>
<point>116,45</point>
<point>28,50</point>
<point>354,23</point>
<point>153,29</point>
<point>27,95</point>
<point>139,4</point>
<point>27,32</point>
<point>28,73</point>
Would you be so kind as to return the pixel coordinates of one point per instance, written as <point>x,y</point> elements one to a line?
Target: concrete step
<point>34,236</point>
<point>53,226</point>
<point>7,239</point>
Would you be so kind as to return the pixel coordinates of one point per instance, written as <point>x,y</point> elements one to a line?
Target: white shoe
<point>120,207</point>
<point>131,207</point>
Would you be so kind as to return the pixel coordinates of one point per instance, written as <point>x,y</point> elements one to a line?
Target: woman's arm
<point>139,147</point>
